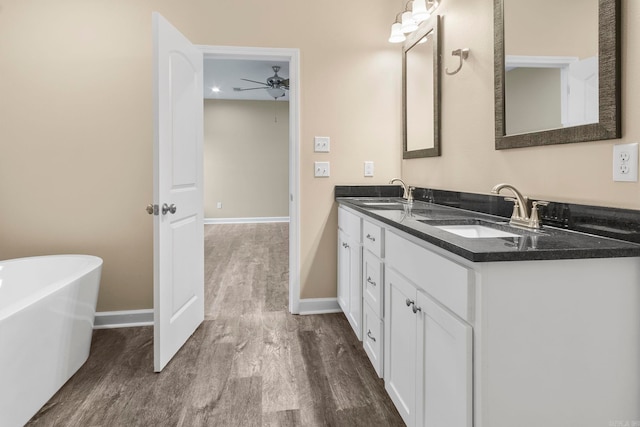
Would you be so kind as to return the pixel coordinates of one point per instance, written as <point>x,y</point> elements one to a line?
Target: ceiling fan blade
<point>253,81</point>
<point>240,89</point>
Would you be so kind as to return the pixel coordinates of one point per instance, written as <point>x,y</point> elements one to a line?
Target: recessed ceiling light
<point>215,89</point>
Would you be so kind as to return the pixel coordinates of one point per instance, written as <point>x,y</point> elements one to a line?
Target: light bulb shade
<point>408,24</point>
<point>397,36</point>
<point>419,11</point>
<point>276,92</point>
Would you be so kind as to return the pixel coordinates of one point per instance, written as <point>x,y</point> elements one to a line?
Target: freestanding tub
<point>47,308</point>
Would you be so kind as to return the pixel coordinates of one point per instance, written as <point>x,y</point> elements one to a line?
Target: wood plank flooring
<point>250,363</point>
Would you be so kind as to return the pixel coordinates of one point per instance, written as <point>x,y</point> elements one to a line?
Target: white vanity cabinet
<point>550,342</point>
<point>428,348</point>
<point>350,268</point>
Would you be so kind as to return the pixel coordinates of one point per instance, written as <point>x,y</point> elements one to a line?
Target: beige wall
<point>76,121</point>
<point>246,158</point>
<point>580,173</point>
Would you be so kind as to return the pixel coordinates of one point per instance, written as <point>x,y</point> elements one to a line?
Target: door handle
<point>166,208</point>
<point>152,209</point>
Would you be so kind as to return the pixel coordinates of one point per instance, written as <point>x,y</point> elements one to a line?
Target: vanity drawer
<point>442,278</point>
<point>372,238</point>
<point>349,223</point>
<point>372,282</point>
<point>372,338</point>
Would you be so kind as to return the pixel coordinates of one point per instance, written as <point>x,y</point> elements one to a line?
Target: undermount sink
<point>385,204</point>
<point>471,228</point>
<point>475,231</point>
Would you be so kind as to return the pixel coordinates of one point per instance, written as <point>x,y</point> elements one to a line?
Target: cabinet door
<point>349,281</point>
<point>400,345</point>
<point>355,287</point>
<point>444,367</point>
<point>343,271</point>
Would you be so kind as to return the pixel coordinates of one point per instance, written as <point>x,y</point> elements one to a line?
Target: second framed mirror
<point>421,64</point>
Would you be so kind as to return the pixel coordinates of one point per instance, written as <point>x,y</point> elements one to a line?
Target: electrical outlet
<point>321,169</point>
<point>321,144</point>
<point>625,162</point>
<point>368,168</point>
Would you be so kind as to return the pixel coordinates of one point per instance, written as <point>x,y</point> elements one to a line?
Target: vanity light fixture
<point>419,11</point>
<point>397,36</point>
<point>415,12</point>
<point>409,25</point>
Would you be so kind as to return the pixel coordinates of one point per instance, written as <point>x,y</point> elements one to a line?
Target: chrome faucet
<point>407,191</point>
<point>521,215</point>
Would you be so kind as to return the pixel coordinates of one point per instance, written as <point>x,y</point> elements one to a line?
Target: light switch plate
<point>321,169</point>
<point>625,162</point>
<point>321,144</point>
<point>368,168</point>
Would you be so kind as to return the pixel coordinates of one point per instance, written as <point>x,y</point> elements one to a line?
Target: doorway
<point>279,57</point>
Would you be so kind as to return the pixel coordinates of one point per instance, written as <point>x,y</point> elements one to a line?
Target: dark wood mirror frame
<point>609,63</point>
<point>437,55</point>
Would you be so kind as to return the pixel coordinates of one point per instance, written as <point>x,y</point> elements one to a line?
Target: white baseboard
<point>319,306</point>
<point>135,318</point>
<point>123,319</point>
<point>255,220</point>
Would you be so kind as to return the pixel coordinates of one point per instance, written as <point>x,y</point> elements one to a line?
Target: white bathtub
<point>47,308</point>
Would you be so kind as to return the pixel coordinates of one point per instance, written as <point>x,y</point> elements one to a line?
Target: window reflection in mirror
<point>421,93</point>
<point>551,64</point>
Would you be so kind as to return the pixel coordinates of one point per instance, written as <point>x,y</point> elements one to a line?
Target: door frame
<point>293,57</point>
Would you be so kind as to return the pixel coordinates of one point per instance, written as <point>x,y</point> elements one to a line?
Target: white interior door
<point>583,97</point>
<point>178,181</point>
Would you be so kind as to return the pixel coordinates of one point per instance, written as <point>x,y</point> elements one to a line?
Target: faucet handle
<point>516,206</point>
<point>410,193</point>
<point>534,221</point>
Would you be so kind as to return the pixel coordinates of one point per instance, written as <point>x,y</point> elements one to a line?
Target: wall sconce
<point>415,12</point>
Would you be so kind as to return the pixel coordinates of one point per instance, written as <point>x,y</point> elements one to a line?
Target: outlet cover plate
<point>625,162</point>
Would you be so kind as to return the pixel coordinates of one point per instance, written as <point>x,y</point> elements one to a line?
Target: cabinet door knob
<point>371,336</point>
<point>409,302</point>
<point>345,245</point>
<point>415,309</point>
<point>370,281</point>
<point>373,239</point>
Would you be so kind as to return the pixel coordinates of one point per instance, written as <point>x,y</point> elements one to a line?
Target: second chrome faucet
<point>521,216</point>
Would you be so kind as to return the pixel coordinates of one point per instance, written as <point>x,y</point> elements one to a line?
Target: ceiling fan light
<point>397,36</point>
<point>275,92</point>
<point>419,11</point>
<point>408,24</point>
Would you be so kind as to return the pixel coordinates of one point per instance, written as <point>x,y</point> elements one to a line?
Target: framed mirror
<point>421,91</point>
<point>557,71</point>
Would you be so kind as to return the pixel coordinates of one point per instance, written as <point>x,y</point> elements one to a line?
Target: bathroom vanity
<point>472,322</point>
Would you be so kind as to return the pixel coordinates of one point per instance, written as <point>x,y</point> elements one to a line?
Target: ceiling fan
<point>275,85</point>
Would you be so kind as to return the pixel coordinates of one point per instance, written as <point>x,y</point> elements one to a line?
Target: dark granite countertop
<point>421,218</point>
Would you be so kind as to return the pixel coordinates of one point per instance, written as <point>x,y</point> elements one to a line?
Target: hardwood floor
<point>250,363</point>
